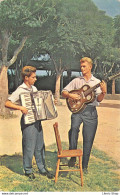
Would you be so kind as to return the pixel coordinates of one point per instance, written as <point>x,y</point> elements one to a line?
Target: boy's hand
<point>23,110</point>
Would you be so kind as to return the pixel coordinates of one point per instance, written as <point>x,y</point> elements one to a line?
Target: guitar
<point>87,95</point>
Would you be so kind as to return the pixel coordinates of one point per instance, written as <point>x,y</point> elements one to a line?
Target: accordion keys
<point>40,106</point>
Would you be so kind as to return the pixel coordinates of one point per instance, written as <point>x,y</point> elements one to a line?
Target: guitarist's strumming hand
<point>74,96</point>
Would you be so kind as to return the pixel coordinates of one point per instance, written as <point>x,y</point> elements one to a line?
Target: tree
<point>81,30</point>
<point>58,45</point>
<point>90,32</point>
<point>94,36</point>
<point>66,30</point>
<point>117,31</point>
<point>19,20</point>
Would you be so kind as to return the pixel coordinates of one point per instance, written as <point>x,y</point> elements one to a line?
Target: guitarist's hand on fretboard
<point>103,87</point>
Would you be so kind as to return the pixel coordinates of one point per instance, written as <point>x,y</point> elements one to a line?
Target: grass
<point>102,174</point>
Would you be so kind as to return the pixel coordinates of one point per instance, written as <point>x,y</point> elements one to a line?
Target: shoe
<point>71,162</point>
<point>45,172</point>
<point>85,171</point>
<point>30,175</point>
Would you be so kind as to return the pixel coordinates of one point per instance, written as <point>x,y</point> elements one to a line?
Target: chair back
<point>58,140</point>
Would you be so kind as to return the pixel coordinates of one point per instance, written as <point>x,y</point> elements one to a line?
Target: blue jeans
<point>32,144</point>
<point>89,119</point>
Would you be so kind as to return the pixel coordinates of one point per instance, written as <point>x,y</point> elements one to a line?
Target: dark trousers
<point>89,119</point>
<point>32,145</point>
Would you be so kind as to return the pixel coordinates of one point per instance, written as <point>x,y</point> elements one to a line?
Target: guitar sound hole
<point>88,97</point>
<point>85,88</point>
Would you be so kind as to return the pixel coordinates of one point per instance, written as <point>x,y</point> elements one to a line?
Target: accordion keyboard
<point>40,106</point>
<point>27,103</point>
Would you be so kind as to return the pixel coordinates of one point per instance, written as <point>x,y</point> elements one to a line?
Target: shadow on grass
<point>14,163</point>
<point>101,176</point>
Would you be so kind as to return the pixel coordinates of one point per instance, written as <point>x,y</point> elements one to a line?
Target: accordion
<point>40,106</point>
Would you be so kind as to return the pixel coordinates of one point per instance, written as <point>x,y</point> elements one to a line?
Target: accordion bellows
<point>40,106</point>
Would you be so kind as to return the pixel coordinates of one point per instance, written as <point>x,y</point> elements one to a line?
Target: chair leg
<point>57,170</point>
<point>81,172</point>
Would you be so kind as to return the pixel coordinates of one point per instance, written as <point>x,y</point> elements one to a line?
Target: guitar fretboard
<point>91,89</point>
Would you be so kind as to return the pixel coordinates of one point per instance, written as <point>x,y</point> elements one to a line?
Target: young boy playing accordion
<point>32,134</point>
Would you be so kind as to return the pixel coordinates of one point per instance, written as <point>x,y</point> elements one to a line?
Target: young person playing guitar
<point>88,116</point>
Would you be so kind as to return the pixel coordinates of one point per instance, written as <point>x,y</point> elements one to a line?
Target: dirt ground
<point>107,137</point>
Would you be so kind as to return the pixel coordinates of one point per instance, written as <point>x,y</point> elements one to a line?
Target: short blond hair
<point>86,59</point>
<point>27,71</point>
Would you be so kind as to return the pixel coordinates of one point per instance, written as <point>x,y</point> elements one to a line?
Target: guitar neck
<point>116,75</point>
<point>91,89</point>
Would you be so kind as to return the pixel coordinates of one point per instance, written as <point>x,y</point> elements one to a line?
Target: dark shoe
<point>71,162</point>
<point>45,172</point>
<point>50,175</point>
<point>85,171</point>
<point>30,175</point>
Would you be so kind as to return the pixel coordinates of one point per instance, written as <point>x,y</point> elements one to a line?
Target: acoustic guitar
<point>87,95</point>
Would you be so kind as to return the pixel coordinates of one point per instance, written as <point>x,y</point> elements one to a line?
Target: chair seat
<point>70,153</point>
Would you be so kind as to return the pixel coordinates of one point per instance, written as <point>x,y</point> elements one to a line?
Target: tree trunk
<point>18,78</point>
<point>57,90</point>
<point>69,73</point>
<point>106,87</point>
<point>3,91</point>
<point>5,65</point>
<point>113,87</point>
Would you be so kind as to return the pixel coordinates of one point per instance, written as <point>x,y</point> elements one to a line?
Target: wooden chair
<point>66,153</point>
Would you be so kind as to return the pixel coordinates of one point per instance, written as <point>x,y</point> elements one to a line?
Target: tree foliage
<point>117,31</point>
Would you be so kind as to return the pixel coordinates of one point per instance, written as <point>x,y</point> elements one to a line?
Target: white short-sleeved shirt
<point>15,96</point>
<point>77,83</point>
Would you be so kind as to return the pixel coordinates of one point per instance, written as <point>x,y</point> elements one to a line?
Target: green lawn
<point>102,174</point>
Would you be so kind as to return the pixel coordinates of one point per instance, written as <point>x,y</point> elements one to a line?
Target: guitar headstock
<point>113,76</point>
